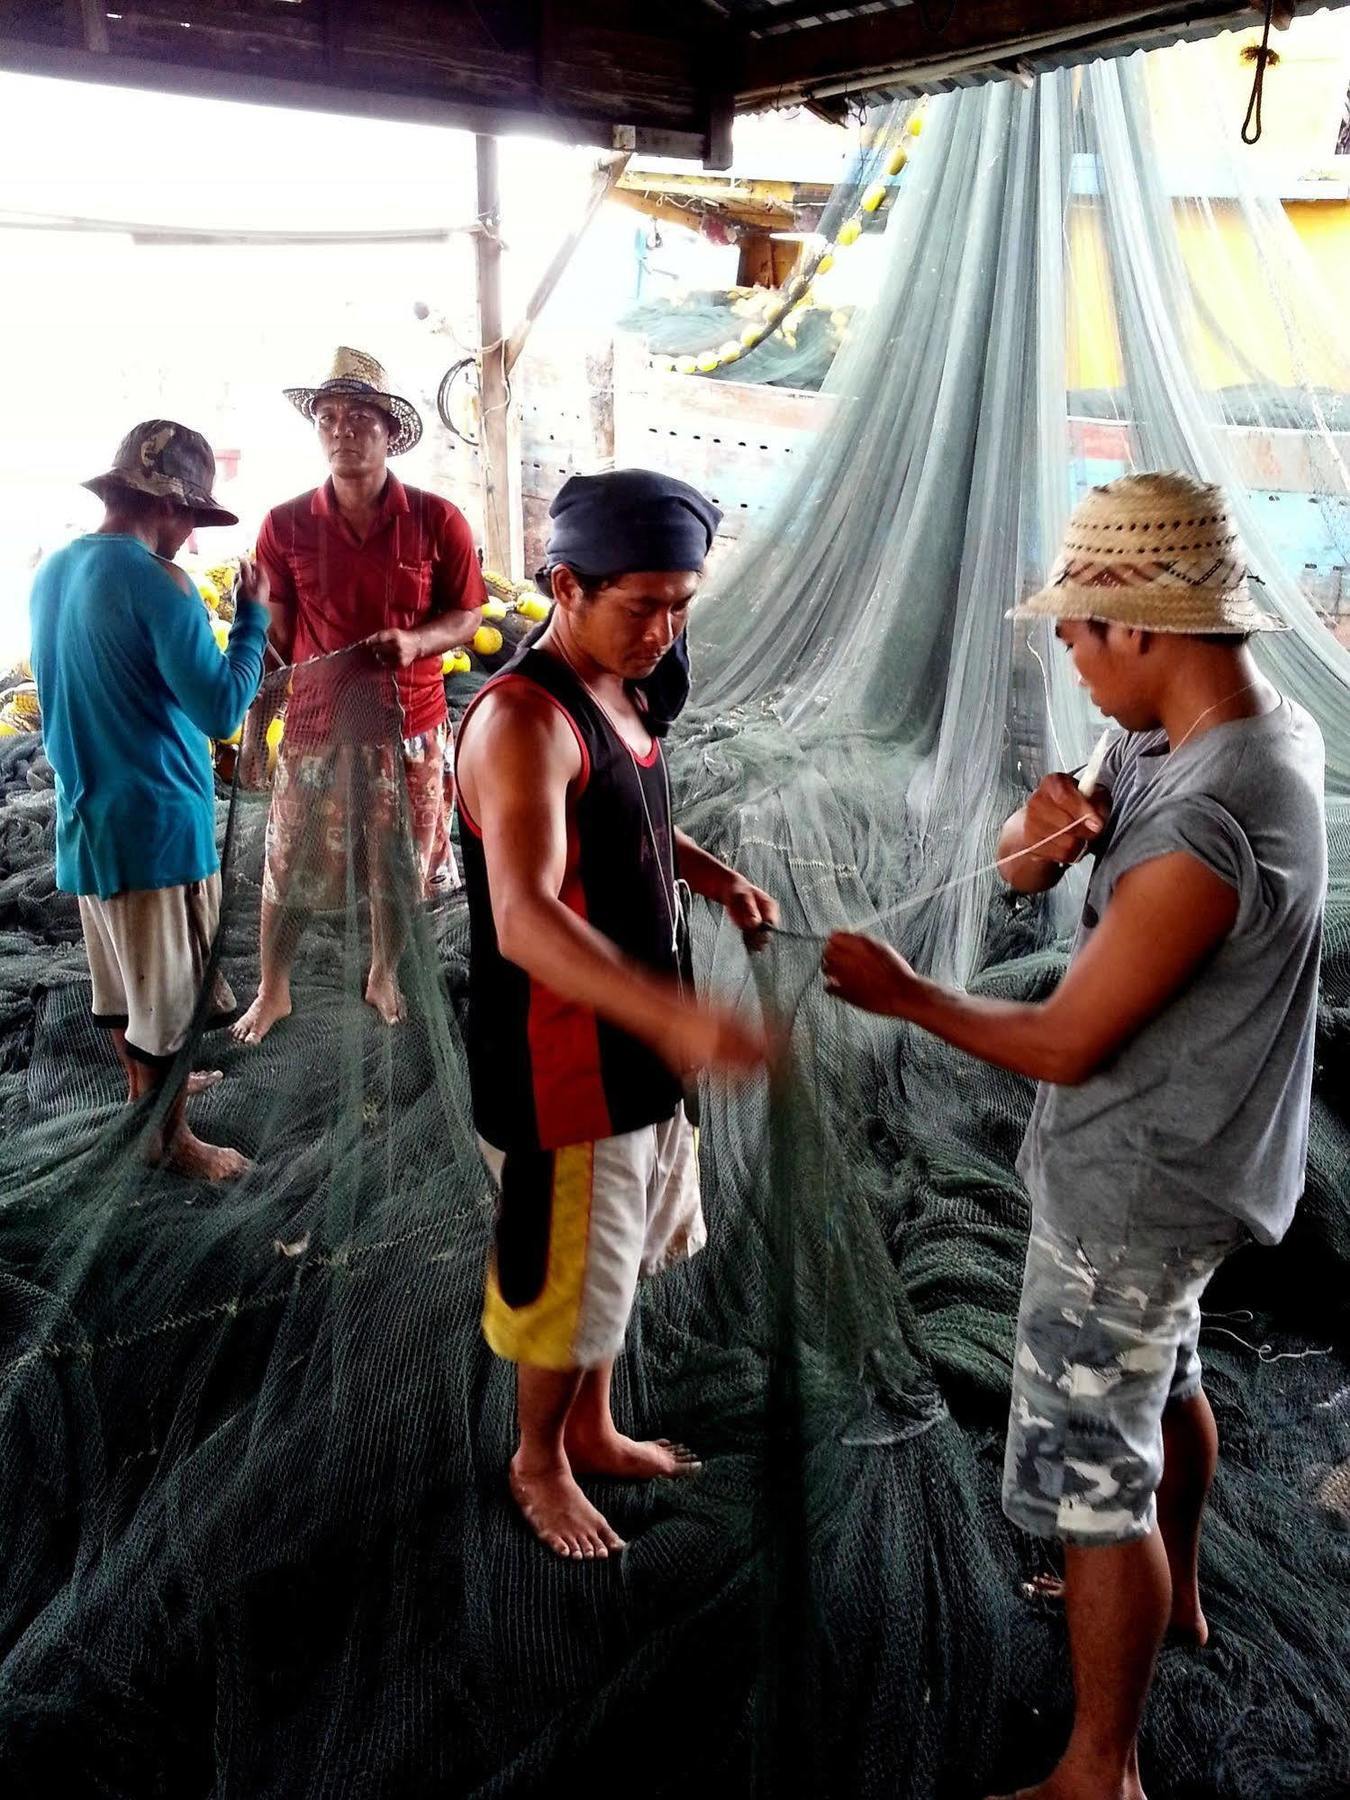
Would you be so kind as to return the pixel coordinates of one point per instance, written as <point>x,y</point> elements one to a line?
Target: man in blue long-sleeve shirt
<point>132,686</point>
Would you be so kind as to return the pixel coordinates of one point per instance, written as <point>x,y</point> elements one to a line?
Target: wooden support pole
<point>607,173</point>
<point>600,388</point>
<point>717,153</point>
<point>93,25</point>
<point>503,523</point>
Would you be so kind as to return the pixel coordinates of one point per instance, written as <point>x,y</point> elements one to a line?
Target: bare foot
<point>187,1154</point>
<point>1065,1787</point>
<point>197,1083</point>
<point>1187,1625</point>
<point>1078,1778</point>
<point>559,1513</point>
<point>1044,1587</point>
<point>264,1013</point>
<point>625,1459</point>
<point>385,995</point>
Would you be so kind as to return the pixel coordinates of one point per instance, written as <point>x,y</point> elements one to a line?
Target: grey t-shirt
<point>1206,1109</point>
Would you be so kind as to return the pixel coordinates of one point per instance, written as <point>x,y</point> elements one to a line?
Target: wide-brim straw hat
<point>1154,553</point>
<point>168,462</point>
<point>354,372</point>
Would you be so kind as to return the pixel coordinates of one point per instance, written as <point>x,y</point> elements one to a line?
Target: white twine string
<point>1091,771</point>
<point>945,887</point>
<point>1265,1353</point>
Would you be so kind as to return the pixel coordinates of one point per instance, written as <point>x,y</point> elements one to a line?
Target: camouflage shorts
<point>1106,1337</point>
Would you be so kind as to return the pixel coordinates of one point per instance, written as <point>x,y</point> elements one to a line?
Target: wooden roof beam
<point>603,72</point>
<point>690,214</point>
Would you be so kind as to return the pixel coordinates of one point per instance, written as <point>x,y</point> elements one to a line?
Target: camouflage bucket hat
<point>168,462</point>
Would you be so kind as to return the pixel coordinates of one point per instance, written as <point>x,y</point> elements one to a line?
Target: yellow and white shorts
<point>576,1230</point>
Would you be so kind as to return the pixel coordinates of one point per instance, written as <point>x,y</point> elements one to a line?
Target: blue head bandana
<point>630,521</point>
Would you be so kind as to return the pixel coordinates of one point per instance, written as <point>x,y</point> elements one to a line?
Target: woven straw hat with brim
<point>168,462</point>
<point>1154,553</point>
<point>357,374</point>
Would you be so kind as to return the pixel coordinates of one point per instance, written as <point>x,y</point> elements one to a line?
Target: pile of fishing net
<point>788,336</point>
<point>252,1448</point>
<point>797,357</point>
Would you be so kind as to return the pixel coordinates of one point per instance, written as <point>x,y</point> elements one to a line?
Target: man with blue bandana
<point>583,1022</point>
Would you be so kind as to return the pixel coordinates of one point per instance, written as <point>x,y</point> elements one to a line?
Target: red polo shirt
<point>417,561</point>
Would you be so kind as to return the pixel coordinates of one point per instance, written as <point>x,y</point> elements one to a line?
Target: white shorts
<point>576,1229</point>
<point>148,952</point>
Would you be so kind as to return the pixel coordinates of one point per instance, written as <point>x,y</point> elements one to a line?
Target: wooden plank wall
<point>561,433</point>
<point>738,443</point>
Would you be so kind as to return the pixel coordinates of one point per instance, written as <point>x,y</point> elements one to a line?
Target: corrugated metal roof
<point>948,44</point>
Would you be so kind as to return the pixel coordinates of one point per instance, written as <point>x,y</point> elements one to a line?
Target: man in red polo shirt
<point>361,561</point>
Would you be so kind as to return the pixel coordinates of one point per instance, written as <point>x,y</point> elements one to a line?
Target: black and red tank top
<point>545,1071</point>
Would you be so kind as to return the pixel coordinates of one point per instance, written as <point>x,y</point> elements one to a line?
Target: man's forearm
<point>280,632</point>
<point>574,961</point>
<point>447,631</point>
<point>1012,1034</point>
<point>1027,874</point>
<point>701,869</point>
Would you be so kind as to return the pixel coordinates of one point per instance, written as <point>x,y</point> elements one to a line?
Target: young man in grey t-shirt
<point>1175,1061</point>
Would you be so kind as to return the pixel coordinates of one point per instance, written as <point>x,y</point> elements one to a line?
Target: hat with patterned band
<point>168,462</point>
<point>1154,553</point>
<point>360,376</point>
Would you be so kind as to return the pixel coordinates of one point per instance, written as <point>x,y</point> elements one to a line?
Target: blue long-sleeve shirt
<point>132,684</point>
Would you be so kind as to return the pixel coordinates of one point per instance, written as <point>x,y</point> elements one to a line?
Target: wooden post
<point>717,152</point>
<point>600,385</point>
<point>93,25</point>
<point>503,524</point>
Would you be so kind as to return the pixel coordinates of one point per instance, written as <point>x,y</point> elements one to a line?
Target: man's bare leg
<point>542,1482</point>
<point>595,1445</point>
<point>1118,1598</point>
<point>175,1146</point>
<point>1190,1457</point>
<point>279,940</point>
<point>388,935</point>
<point>197,1082</point>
